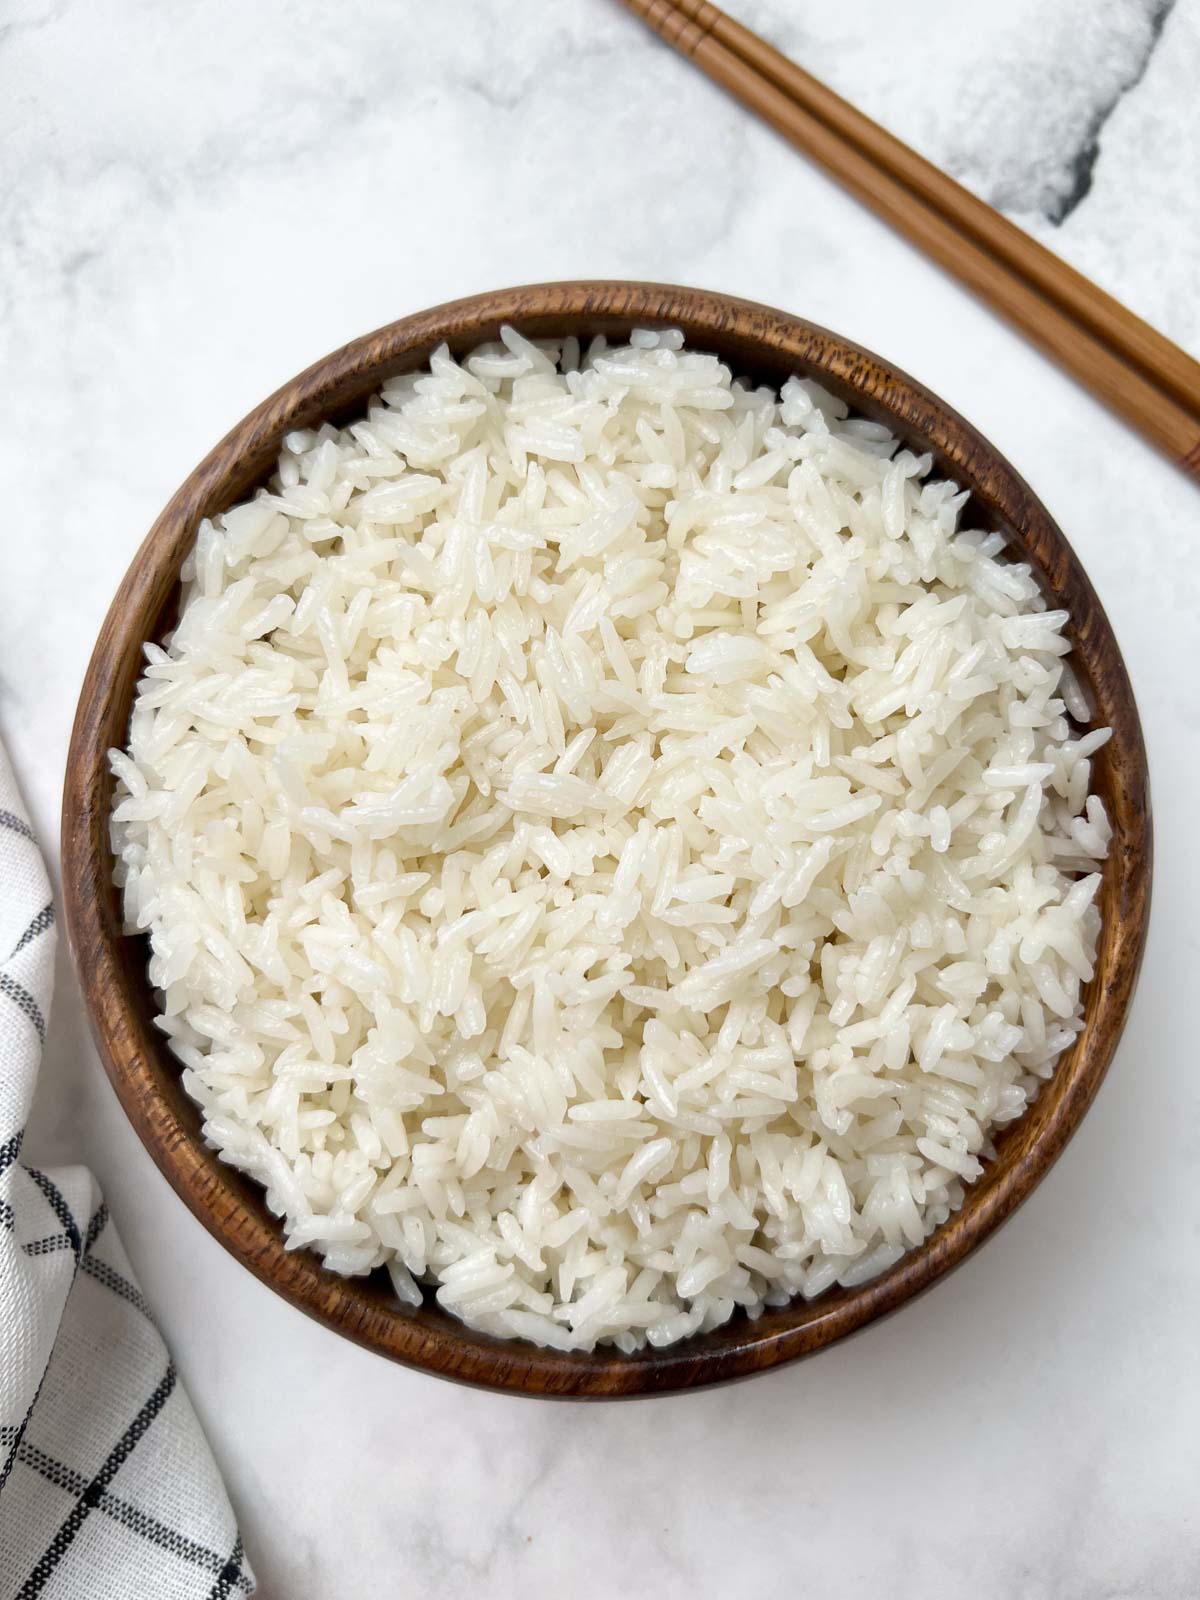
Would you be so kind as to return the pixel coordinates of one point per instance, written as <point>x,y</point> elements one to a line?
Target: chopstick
<point>1139,374</point>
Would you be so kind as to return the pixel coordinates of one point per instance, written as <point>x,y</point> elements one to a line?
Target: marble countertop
<point>198,200</point>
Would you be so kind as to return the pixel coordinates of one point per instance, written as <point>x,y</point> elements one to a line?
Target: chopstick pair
<point>1137,372</point>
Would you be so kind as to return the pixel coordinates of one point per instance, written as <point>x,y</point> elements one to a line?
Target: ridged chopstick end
<point>673,23</point>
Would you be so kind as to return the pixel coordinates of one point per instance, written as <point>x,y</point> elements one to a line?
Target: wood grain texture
<point>1137,372</point>
<point>758,343</point>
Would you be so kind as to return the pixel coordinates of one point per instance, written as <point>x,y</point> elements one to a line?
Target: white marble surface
<point>195,201</point>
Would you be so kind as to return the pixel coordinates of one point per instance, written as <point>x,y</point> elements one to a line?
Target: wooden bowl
<point>756,342</point>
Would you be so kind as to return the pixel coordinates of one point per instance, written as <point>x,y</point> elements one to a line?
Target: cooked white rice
<point>610,847</point>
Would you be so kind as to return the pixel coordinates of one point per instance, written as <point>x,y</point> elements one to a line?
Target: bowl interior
<point>759,344</point>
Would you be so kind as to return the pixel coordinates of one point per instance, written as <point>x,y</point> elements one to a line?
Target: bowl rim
<point>757,341</point>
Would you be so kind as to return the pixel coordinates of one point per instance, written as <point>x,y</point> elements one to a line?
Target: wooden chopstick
<point>1138,373</point>
<point>1142,346</point>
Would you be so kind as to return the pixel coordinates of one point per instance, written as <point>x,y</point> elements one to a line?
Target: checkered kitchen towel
<point>107,1487</point>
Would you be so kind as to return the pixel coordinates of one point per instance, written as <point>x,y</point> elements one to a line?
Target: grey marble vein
<point>1082,164</point>
<point>1014,105</point>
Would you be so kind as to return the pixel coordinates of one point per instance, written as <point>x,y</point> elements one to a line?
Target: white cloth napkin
<point>107,1487</point>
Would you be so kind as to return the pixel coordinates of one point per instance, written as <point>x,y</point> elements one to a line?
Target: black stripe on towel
<point>129,1516</point>
<point>93,1493</point>
<point>103,1273</point>
<point>95,1227</point>
<point>65,1241</point>
<point>18,1433</point>
<point>59,1207</point>
<point>10,1150</point>
<point>10,820</point>
<point>47,1246</point>
<point>43,920</point>
<point>229,1574</point>
<point>25,1002</point>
